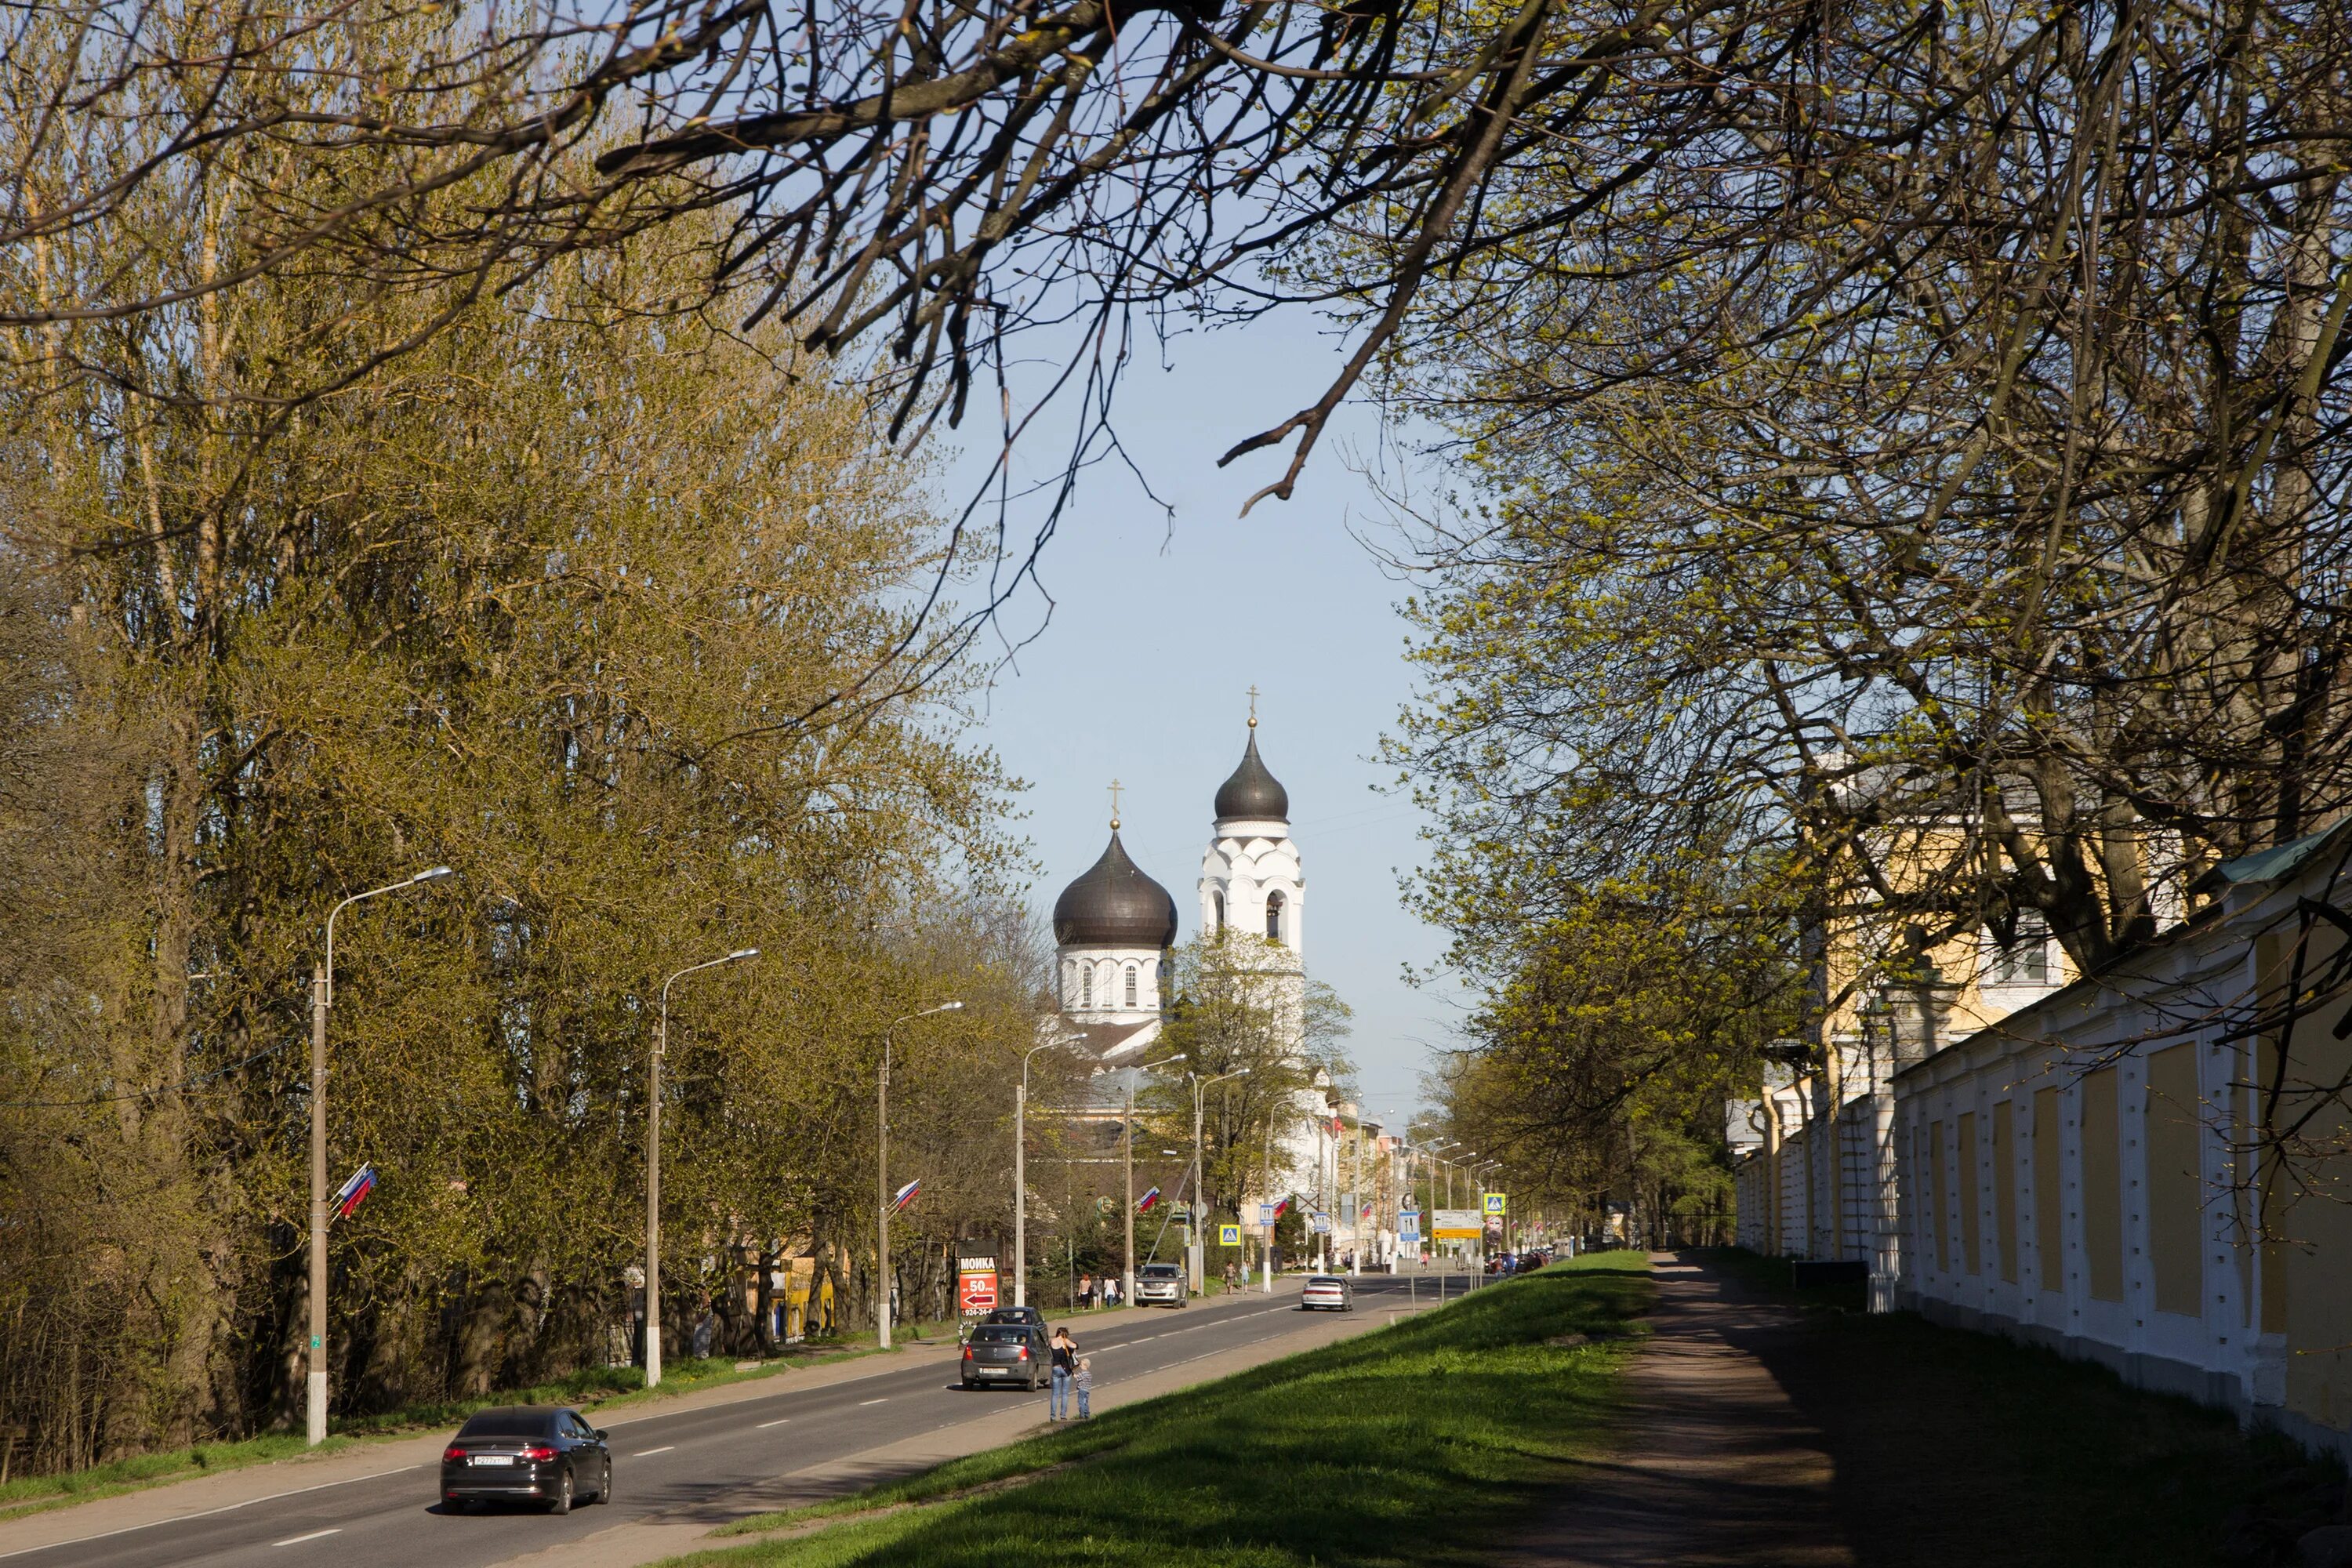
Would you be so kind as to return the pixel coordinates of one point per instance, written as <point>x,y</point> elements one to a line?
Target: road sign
<point>1319,1223</point>
<point>1498,1202</point>
<point>1457,1225</point>
<point>1229,1235</point>
<point>1265,1213</point>
<point>1409,1227</point>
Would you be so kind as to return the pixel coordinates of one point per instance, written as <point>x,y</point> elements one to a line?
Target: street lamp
<point>1127,1155</point>
<point>653,1166</point>
<point>1020,1179</point>
<point>1197,1260</point>
<point>323,997</point>
<point>882,1175</point>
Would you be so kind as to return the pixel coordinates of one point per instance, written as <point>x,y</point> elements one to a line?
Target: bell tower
<point>1250,878</point>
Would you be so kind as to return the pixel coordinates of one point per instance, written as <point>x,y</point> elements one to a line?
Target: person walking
<point>1086,1291</point>
<point>1083,1380</point>
<point>1066,1358</point>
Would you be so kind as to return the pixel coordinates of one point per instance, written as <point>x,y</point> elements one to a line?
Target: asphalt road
<point>662,1462</point>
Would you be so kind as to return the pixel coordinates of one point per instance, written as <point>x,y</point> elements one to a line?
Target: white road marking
<point>314,1535</point>
<point>885,1400</point>
<point>765,1425</point>
<point>649,1453</point>
<point>224,1508</point>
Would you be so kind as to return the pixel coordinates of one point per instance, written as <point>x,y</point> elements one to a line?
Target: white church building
<point>1115,929</point>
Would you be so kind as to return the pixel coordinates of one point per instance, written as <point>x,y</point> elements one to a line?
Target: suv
<point>1161,1285</point>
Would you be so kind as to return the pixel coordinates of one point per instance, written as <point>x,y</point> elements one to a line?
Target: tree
<point>564,598</point>
<point>1242,1003</point>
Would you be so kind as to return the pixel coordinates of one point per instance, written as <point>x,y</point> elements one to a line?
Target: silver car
<point>1331,1290</point>
<point>1161,1285</point>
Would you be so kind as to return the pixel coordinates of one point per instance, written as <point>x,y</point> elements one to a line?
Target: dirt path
<point>1718,1468</point>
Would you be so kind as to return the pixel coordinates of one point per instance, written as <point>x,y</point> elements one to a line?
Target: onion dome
<point>1114,905</point>
<point>1253,795</point>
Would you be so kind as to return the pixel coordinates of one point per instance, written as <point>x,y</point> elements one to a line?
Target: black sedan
<point>1029,1315</point>
<point>527,1453</point>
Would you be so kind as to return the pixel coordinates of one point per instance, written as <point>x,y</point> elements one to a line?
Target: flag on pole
<point>353,1192</point>
<point>1143,1204</point>
<point>1282,1208</point>
<point>906,1195</point>
<point>1338,1126</point>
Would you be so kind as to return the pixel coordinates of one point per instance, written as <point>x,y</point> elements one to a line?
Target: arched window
<point>1086,986</point>
<point>1069,984</point>
<point>1218,900</point>
<point>1131,979</point>
<point>1273,917</point>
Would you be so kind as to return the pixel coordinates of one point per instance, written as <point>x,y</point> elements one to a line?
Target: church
<point>1114,932</point>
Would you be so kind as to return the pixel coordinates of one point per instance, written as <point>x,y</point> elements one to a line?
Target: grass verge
<point>1343,1454</point>
<point>1951,1446</point>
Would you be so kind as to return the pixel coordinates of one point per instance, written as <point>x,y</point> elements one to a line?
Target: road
<point>666,1461</point>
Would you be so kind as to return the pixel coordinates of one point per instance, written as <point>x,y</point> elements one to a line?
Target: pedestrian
<point>1111,1292</point>
<point>1086,1290</point>
<point>1084,1381</point>
<point>1065,1356</point>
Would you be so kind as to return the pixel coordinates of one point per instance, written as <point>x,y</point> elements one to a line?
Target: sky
<point>1159,627</point>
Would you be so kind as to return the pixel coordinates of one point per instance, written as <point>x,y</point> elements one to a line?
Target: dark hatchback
<point>1013,1353</point>
<point>527,1453</point>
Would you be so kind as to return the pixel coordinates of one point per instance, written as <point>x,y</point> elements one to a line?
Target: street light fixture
<point>1127,1153</point>
<point>653,1164</point>
<point>882,1175</point>
<point>1197,1261</point>
<point>323,997</point>
<point>1020,1179</point>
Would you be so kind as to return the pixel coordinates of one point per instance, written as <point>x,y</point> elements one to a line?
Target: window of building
<point>2026,961</point>
<point>1132,980</point>
<point>1217,901</point>
<point>1273,917</point>
<point>1086,986</point>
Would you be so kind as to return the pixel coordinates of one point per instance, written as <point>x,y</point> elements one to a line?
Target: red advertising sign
<point>975,1292</point>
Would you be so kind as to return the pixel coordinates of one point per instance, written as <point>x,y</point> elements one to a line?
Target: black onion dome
<point>1114,905</point>
<point>1252,793</point>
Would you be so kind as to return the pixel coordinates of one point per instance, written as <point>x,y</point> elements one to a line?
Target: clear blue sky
<point>1159,628</point>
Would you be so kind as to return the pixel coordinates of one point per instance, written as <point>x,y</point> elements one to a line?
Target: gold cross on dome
<point>1114,787</point>
<point>1253,697</point>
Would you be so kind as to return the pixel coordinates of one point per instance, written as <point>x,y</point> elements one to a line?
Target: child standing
<point>1085,1383</point>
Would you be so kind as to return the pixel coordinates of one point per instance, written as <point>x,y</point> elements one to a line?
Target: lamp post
<point>323,997</point>
<point>882,1175</point>
<point>1199,1196</point>
<point>1020,1181</point>
<point>1127,1155</point>
<point>653,1164</point>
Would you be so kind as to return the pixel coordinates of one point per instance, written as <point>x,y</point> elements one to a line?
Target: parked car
<point>1002,1353</point>
<point>1161,1285</point>
<point>527,1453</point>
<point>1331,1291</point>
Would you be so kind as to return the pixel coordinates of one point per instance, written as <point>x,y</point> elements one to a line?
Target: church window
<point>1218,901</point>
<point>1086,986</point>
<point>1273,917</point>
<point>1132,979</point>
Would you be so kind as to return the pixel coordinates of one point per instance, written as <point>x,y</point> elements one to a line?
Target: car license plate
<point>993,1370</point>
<point>494,1458</point>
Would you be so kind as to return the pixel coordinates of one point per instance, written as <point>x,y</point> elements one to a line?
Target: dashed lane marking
<point>649,1453</point>
<point>314,1535</point>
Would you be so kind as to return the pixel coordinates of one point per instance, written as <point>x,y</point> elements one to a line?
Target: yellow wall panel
<point>2102,1187</point>
<point>2004,1192</point>
<point>2175,1185</point>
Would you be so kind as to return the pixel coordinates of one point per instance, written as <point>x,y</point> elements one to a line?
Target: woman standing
<point>1065,1366</point>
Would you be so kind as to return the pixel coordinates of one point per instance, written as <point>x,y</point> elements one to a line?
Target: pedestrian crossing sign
<point>1229,1235</point>
<point>1498,1202</point>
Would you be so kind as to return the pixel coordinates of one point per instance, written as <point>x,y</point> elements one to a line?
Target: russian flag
<point>1282,1208</point>
<point>1143,1204</point>
<point>354,1192</point>
<point>906,1195</point>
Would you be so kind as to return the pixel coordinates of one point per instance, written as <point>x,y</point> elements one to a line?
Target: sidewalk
<point>1719,1470</point>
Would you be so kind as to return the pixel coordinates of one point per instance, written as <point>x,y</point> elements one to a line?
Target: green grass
<point>1343,1454</point>
<point>1952,1446</point>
